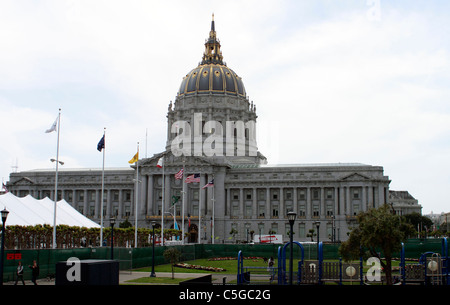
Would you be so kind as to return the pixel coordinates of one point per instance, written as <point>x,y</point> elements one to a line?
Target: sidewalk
<point>126,276</point>
<point>217,278</point>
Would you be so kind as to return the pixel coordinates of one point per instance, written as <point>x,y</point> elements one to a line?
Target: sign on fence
<point>268,239</point>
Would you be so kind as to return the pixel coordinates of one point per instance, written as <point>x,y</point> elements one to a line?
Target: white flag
<point>160,162</point>
<point>53,128</point>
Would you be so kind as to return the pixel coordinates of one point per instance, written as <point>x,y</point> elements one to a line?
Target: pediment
<point>355,177</point>
<point>23,181</point>
<point>172,162</point>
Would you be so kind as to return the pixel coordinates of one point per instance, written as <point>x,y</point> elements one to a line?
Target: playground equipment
<point>308,271</point>
<point>282,278</point>
<point>259,275</point>
<point>432,268</point>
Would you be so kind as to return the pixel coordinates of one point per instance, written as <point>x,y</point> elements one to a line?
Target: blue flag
<point>101,144</point>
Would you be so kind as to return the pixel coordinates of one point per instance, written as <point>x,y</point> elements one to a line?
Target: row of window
<point>329,193</point>
<point>79,195</point>
<point>275,210</point>
<point>301,230</point>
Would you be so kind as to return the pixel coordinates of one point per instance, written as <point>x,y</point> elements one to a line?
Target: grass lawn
<point>229,265</point>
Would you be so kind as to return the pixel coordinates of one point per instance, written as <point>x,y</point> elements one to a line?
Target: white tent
<point>27,211</point>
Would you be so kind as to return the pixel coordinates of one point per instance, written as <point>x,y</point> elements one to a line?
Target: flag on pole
<point>4,188</point>
<point>101,144</point>
<point>134,159</point>
<point>179,175</point>
<point>210,183</point>
<point>53,127</point>
<point>160,162</point>
<point>193,178</point>
<point>175,199</point>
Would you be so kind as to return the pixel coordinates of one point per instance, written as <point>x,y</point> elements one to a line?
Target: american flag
<point>179,175</point>
<point>210,183</point>
<point>193,178</point>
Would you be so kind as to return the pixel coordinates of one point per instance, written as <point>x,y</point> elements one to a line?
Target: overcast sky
<point>333,81</point>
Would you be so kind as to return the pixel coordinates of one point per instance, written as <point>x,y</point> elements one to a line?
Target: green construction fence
<point>131,258</point>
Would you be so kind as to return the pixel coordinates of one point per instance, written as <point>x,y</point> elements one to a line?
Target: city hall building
<point>211,128</point>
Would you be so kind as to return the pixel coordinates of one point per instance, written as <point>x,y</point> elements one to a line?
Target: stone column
<point>348,208</point>
<point>308,203</point>
<point>336,202</point>
<point>268,210</point>
<point>364,199</point>
<point>294,201</point>
<point>322,202</point>
<point>143,199</point>
<point>85,203</point>
<point>150,205</point>
<point>255,203</point>
<point>281,212</point>
<point>120,204</point>
<point>342,200</point>
<point>241,203</point>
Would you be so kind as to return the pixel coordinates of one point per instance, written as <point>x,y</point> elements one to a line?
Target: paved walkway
<point>126,276</point>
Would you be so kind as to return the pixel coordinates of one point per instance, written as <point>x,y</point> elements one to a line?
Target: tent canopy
<point>28,211</point>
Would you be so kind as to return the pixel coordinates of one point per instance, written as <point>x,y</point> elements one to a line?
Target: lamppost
<point>291,217</point>
<point>112,221</point>
<point>317,223</point>
<point>4,216</point>
<point>153,250</point>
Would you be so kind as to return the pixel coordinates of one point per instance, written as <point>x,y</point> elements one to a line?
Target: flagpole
<point>182,207</point>
<point>162,203</point>
<point>136,204</point>
<point>103,191</point>
<point>200,211</point>
<point>56,180</point>
<point>213,206</point>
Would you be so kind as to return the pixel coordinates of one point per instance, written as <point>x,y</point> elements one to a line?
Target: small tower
<point>212,54</point>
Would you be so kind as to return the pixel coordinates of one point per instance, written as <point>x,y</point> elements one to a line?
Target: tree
<point>378,230</point>
<point>173,256</point>
<point>233,232</point>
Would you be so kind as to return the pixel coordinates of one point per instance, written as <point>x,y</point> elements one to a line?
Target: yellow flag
<point>134,159</point>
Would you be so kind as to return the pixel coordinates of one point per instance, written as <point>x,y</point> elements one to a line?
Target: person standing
<point>19,273</point>
<point>34,272</point>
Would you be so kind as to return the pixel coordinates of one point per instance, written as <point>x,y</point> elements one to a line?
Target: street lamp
<point>317,223</point>
<point>291,217</point>
<point>54,160</point>
<point>153,250</point>
<point>4,216</point>
<point>112,221</point>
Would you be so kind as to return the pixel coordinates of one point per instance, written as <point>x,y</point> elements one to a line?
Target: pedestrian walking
<point>34,272</point>
<point>19,273</point>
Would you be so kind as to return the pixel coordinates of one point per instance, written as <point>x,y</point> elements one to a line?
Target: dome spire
<point>212,54</point>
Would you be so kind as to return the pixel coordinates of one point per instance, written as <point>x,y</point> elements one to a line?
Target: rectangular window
<point>301,210</point>
<point>262,210</point>
<point>315,194</point>
<point>248,194</point>
<point>329,193</point>
<point>302,194</point>
<point>261,194</point>
<point>274,194</point>
<point>275,210</point>
<point>301,230</point>
<point>356,194</point>
<point>248,210</point>
<point>315,210</point>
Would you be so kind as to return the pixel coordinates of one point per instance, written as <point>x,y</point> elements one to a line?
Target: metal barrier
<point>431,269</point>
